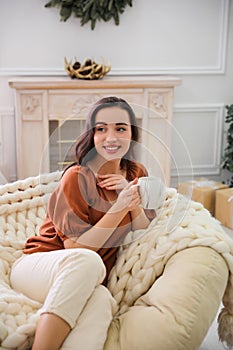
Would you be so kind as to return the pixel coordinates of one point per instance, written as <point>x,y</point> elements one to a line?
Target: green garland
<point>91,10</point>
<point>228,151</point>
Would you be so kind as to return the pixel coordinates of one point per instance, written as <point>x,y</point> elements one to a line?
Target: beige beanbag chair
<point>168,280</point>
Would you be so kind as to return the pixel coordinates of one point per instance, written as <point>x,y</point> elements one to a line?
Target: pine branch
<point>91,10</point>
<point>228,151</point>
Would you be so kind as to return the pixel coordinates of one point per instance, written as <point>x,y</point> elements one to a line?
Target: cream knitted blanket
<point>179,224</point>
<point>22,211</point>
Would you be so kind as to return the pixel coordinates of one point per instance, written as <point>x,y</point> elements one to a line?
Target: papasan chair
<point>168,281</point>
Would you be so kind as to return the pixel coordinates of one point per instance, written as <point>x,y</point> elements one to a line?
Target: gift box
<point>224,207</point>
<point>202,190</point>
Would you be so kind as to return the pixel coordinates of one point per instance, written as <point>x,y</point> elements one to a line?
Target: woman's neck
<point>100,166</point>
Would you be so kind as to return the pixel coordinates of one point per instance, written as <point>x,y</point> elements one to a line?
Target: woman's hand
<point>112,181</point>
<point>128,199</point>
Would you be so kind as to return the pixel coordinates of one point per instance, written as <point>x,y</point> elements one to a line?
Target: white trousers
<point>67,282</point>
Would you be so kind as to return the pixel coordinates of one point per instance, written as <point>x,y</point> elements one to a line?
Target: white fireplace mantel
<point>41,100</point>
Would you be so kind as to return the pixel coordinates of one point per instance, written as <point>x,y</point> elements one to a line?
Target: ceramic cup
<point>151,190</point>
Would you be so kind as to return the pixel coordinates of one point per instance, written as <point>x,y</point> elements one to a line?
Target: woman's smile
<point>111,148</point>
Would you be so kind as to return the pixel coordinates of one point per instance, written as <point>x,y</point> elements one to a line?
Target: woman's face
<point>112,135</point>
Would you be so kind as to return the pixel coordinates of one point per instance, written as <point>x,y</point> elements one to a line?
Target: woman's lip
<point>111,149</point>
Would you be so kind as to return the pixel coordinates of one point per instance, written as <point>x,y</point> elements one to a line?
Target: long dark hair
<point>85,148</point>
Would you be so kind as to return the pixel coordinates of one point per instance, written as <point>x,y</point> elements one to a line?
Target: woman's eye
<point>121,129</point>
<point>100,129</point>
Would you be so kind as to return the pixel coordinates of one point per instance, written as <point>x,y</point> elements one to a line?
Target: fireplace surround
<point>50,113</point>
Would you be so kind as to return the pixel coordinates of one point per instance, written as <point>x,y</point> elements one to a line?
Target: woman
<point>88,216</point>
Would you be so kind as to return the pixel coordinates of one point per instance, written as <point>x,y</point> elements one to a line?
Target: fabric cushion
<point>178,309</point>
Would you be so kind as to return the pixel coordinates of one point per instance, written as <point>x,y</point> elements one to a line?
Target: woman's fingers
<point>112,181</point>
<point>132,194</point>
<point>128,198</point>
<point>132,183</point>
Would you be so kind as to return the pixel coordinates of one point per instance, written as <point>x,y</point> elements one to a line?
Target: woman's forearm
<point>96,237</point>
<point>139,219</point>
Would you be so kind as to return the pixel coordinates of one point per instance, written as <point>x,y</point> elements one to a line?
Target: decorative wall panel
<point>197,139</point>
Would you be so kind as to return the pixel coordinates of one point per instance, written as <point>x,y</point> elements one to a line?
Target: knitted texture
<point>22,211</point>
<point>141,260</point>
<point>180,224</point>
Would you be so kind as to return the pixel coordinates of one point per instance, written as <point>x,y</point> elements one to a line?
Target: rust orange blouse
<point>76,205</point>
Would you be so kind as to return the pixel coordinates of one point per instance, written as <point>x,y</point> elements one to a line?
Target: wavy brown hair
<point>85,148</point>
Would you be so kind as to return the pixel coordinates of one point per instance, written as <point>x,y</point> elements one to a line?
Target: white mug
<point>151,190</point>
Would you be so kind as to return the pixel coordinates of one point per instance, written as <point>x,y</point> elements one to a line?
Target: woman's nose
<point>111,135</point>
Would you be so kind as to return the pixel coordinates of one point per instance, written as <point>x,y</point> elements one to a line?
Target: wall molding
<point>4,113</point>
<point>223,36</point>
<point>6,150</point>
<point>1,140</point>
<point>213,168</point>
<point>219,68</point>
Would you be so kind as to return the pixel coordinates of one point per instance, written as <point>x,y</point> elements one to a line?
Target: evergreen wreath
<point>91,10</point>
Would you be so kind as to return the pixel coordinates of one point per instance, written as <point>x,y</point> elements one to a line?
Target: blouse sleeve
<point>68,205</point>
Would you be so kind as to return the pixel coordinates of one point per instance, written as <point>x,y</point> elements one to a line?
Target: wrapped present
<point>202,190</point>
<point>224,207</point>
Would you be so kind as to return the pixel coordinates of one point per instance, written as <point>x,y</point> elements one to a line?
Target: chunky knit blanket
<point>180,224</point>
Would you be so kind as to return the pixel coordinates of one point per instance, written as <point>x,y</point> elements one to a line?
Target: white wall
<point>192,39</point>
